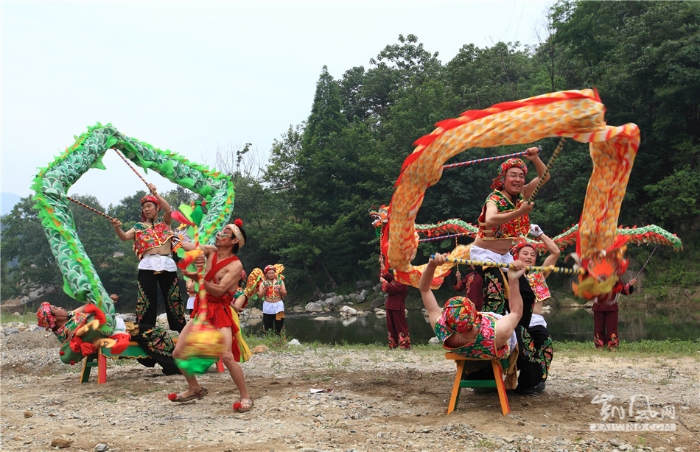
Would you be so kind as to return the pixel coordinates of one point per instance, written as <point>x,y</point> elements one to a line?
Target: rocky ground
<point>374,400</point>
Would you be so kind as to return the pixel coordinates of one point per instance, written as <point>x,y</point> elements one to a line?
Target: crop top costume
<point>272,290</point>
<point>218,308</point>
<point>148,237</point>
<point>484,344</point>
<point>514,228</point>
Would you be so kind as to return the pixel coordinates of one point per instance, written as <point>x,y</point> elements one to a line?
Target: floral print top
<point>484,344</point>
<point>538,285</point>
<point>65,333</point>
<point>514,228</point>
<point>148,237</point>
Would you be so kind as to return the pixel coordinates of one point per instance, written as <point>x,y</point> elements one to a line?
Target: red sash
<point>218,265</point>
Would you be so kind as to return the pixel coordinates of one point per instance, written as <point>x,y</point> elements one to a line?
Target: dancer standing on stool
<point>152,244</point>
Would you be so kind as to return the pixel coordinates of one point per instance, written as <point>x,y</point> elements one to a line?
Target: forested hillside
<point>308,207</point>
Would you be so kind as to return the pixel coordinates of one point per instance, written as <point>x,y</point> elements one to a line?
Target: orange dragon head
<point>602,270</point>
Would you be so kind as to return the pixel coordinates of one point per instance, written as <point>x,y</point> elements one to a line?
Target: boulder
<point>348,311</point>
<point>313,307</point>
<point>323,318</point>
<point>128,317</point>
<point>380,312</point>
<point>337,300</point>
<point>254,313</point>
<point>362,296</point>
<point>260,349</point>
<point>298,309</point>
<point>363,284</point>
<point>377,302</point>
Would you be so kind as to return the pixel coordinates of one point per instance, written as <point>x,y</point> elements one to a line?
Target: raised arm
<point>167,210</point>
<point>426,293</point>
<point>554,252</point>
<point>507,324</point>
<point>534,156</point>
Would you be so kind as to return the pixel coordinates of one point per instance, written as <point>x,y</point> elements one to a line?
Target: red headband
<point>148,198</point>
<point>521,243</point>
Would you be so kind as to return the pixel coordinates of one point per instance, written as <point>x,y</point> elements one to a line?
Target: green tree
<point>27,261</point>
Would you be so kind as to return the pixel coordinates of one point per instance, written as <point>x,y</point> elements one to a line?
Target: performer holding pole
<point>152,244</point>
<point>504,218</point>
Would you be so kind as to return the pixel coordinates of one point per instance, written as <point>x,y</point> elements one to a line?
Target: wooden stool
<point>99,360</point>
<point>496,365</point>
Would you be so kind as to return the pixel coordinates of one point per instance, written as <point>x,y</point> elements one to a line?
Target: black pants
<point>270,321</point>
<point>147,303</point>
<point>157,343</point>
<point>535,355</point>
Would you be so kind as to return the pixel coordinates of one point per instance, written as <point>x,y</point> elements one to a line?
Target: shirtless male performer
<point>222,272</point>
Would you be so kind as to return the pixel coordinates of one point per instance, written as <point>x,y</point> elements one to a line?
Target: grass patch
<point>668,347</point>
<point>573,351</point>
<point>8,317</point>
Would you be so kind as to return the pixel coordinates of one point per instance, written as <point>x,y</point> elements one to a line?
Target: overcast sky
<point>191,77</point>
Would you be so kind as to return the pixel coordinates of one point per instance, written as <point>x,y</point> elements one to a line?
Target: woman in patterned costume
<point>153,246</point>
<point>464,330</point>
<point>65,324</point>
<point>503,219</point>
<point>534,340</point>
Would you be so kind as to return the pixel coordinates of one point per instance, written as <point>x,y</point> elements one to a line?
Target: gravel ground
<point>375,400</point>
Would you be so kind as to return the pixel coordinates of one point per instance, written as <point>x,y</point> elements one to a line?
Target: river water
<point>563,324</point>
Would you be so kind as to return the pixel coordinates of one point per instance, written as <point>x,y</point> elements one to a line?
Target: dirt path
<point>380,400</point>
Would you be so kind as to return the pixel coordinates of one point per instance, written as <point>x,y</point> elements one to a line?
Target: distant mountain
<point>8,202</point>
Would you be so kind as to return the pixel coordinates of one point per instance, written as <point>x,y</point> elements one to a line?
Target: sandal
<point>174,397</point>
<point>243,405</point>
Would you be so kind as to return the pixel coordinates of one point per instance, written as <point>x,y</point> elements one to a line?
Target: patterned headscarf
<point>268,268</point>
<point>520,244</point>
<point>44,317</point>
<point>148,198</point>
<point>235,228</point>
<point>460,315</point>
<point>499,181</point>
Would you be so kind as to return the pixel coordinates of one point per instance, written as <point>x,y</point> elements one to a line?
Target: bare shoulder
<point>207,249</point>
<point>236,265</point>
